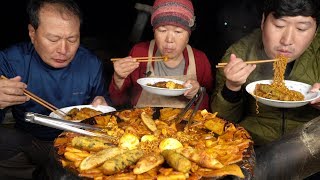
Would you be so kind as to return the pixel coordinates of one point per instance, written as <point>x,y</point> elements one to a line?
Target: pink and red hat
<point>178,13</point>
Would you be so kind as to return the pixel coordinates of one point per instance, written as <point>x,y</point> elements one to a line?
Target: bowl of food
<point>163,86</point>
<point>81,112</point>
<point>297,94</point>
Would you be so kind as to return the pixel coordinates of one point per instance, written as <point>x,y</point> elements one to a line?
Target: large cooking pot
<point>57,171</point>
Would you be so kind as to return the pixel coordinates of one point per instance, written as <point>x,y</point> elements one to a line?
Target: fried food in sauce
<point>167,84</point>
<point>81,114</point>
<point>144,153</point>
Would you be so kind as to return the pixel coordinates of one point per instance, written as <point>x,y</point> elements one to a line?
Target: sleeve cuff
<point>231,96</point>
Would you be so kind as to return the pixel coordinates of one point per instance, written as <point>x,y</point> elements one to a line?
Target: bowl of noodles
<point>296,94</point>
<point>279,92</point>
<point>163,86</point>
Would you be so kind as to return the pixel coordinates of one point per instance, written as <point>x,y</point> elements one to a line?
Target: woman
<point>172,21</point>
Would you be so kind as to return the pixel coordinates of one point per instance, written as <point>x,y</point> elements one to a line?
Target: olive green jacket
<point>270,123</point>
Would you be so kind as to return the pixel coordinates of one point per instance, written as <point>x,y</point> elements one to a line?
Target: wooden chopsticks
<point>220,65</point>
<point>145,59</point>
<point>41,101</point>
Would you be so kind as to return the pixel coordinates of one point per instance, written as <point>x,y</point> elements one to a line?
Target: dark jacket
<point>76,84</point>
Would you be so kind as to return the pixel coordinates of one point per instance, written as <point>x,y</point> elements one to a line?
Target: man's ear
<point>32,32</point>
<point>262,22</point>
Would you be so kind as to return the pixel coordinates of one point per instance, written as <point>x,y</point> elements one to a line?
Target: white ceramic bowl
<point>103,109</point>
<point>292,85</point>
<point>161,91</point>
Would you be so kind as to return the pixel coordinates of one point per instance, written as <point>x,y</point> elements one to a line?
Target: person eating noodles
<point>289,28</point>
<point>172,22</point>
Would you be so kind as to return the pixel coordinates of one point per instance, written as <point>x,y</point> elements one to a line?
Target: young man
<point>289,28</point>
<point>54,67</point>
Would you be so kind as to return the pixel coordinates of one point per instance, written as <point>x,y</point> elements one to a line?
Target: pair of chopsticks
<point>145,59</point>
<point>41,101</point>
<point>220,65</point>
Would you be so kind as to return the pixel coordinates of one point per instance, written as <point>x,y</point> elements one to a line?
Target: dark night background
<point>108,27</point>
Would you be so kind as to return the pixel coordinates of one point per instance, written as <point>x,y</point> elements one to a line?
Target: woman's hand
<point>122,69</point>
<point>237,72</point>
<point>193,91</point>
<point>11,92</point>
<point>99,100</point>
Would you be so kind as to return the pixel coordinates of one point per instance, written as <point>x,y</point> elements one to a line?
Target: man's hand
<point>315,103</point>
<point>11,92</point>
<point>237,72</point>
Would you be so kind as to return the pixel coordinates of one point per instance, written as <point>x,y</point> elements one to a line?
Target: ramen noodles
<point>277,90</point>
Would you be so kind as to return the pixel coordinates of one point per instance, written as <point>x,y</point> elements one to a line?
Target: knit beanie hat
<point>178,13</point>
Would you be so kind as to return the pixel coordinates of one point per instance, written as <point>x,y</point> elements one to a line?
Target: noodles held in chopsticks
<point>277,90</point>
<point>279,68</point>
